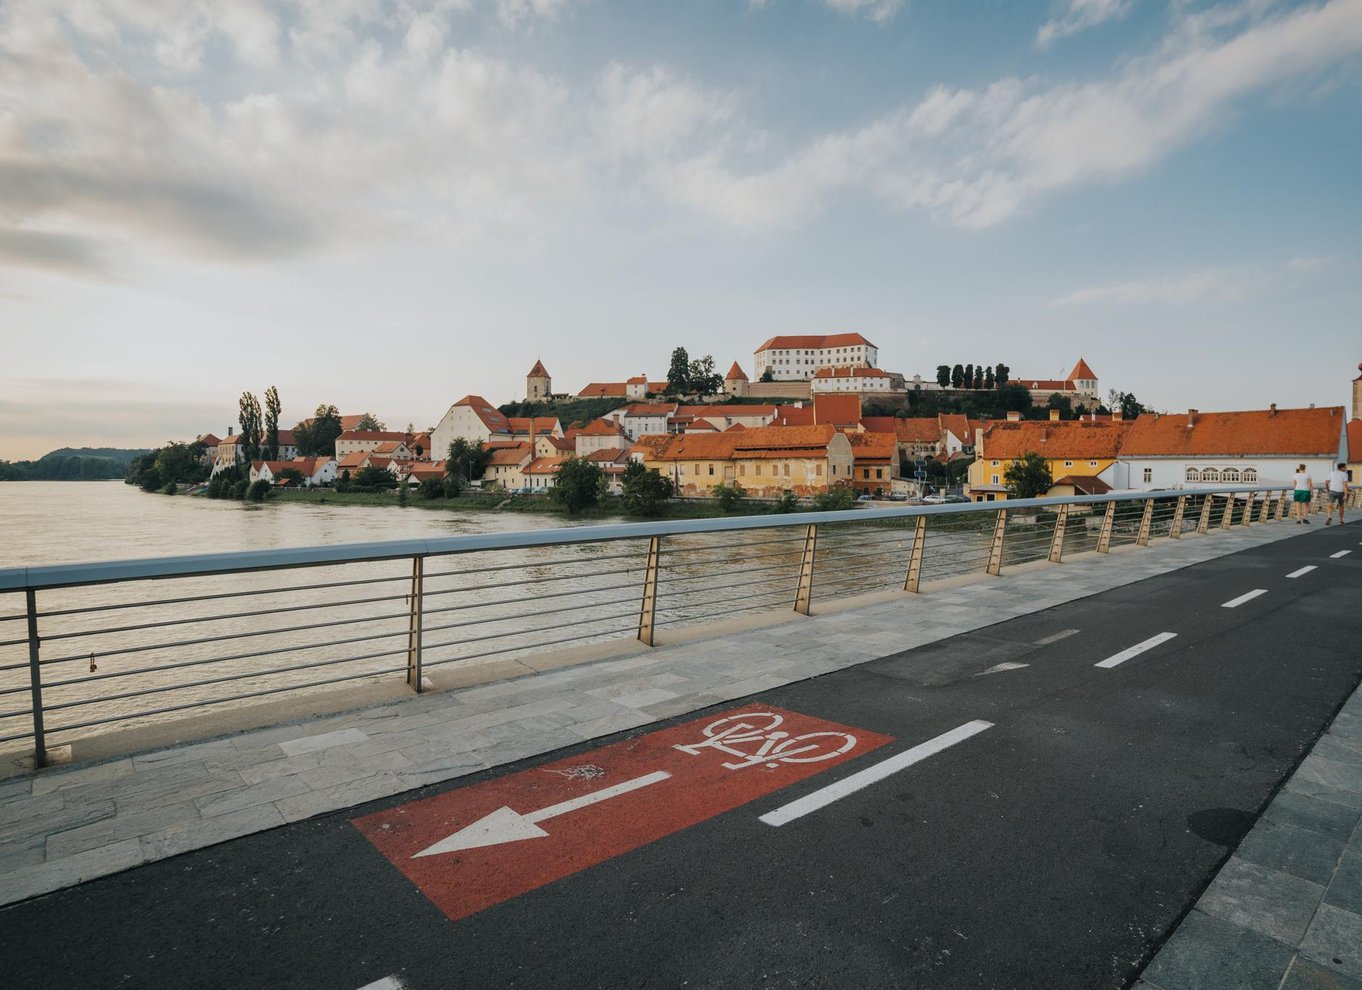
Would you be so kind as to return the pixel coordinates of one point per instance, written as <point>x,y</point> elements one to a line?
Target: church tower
<point>1357,401</point>
<point>538,384</point>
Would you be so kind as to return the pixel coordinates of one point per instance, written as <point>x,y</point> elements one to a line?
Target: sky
<point>389,204</point>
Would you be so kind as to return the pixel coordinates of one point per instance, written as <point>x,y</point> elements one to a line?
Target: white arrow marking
<point>506,825</point>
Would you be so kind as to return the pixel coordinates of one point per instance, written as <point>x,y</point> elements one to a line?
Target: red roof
<point>1081,370</point>
<point>532,425</point>
<point>1085,484</point>
<point>607,455</point>
<point>1281,432</point>
<point>838,410</point>
<point>208,440</point>
<point>814,341</point>
<point>700,426</point>
<point>919,429</point>
<point>603,390</point>
<point>871,447</point>
<point>543,465</point>
<point>491,417</point>
<point>380,436</point>
<point>1067,439</point>
<point>1047,384</point>
<point>848,371</point>
<point>510,454</point>
<point>735,374</point>
<point>347,422</point>
<point>601,428</point>
<point>878,424</point>
<point>732,410</point>
<point>793,416</point>
<point>538,370</point>
<point>958,424</point>
<point>651,409</point>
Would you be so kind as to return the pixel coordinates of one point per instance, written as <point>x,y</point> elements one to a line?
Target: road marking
<point>1136,650</point>
<point>998,668</point>
<point>507,825</point>
<point>387,983</point>
<point>1236,602</point>
<point>1304,570</point>
<point>1055,638</point>
<point>870,775</point>
<point>1341,553</point>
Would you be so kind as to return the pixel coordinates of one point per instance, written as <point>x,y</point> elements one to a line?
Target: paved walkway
<point>66,825</point>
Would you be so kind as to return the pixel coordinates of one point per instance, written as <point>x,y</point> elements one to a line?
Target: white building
<point>798,357</point>
<point>851,379</point>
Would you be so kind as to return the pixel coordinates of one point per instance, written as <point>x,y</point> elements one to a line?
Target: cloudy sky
<point>387,204</point>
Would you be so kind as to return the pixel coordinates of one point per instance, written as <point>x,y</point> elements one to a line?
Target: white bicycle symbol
<point>756,738</point>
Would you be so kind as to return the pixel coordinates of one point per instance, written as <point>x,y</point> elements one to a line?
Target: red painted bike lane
<point>471,848</point>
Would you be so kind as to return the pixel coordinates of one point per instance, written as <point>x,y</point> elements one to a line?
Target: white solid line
<point>1341,553</point>
<point>1136,650</point>
<point>1056,637</point>
<point>1236,602</point>
<point>1304,570</point>
<point>387,983</point>
<point>850,785</point>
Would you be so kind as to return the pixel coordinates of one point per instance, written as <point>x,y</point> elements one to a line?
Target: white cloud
<point>1079,15</point>
<point>1217,285</point>
<point>878,11</point>
<point>1309,264</point>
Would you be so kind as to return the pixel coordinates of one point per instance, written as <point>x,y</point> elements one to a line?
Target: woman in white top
<point>1305,486</point>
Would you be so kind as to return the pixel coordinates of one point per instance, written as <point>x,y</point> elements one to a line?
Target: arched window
<point>1229,474</point>
<point>1210,474</point>
<point>1250,476</point>
<point>1193,474</point>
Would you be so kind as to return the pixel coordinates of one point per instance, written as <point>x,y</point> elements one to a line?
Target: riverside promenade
<point>1289,901</point>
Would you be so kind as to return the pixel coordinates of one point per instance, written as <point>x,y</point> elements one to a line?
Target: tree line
<point>973,376</point>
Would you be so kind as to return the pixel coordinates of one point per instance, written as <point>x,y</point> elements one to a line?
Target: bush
<point>579,484</point>
<point>257,491</point>
<point>729,497</point>
<point>375,478</point>
<point>170,488</point>
<point>239,489</point>
<point>837,498</point>
<point>645,490</point>
<point>431,488</point>
<point>453,486</point>
<point>788,502</point>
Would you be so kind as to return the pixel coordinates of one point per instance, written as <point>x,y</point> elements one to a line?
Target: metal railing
<point>84,646</point>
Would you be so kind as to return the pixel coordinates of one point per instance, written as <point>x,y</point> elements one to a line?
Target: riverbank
<point>611,507</point>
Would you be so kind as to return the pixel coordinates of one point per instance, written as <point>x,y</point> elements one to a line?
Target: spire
<point>735,374</point>
<point>1081,370</point>
<point>538,370</point>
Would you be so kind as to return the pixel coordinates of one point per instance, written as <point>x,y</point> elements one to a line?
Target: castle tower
<point>1357,399</point>
<point>1084,379</point>
<point>538,384</point>
<point>736,382</point>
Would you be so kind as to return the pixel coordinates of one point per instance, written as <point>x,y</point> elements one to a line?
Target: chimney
<point>1191,418</point>
<point>1054,415</point>
<point>1013,416</point>
<point>1272,409</point>
<point>229,431</point>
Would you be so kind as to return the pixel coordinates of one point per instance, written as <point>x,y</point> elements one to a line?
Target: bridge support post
<point>1057,541</point>
<point>1266,513</point>
<point>648,607</point>
<point>914,577</point>
<point>1247,518</point>
<point>414,601</point>
<point>804,594</point>
<point>995,553</point>
<point>1146,523</point>
<point>1175,531</point>
<point>35,681</point>
<point>1227,520</point>
<point>1108,524</point>
<point>1281,506</point>
<point>1203,524</point>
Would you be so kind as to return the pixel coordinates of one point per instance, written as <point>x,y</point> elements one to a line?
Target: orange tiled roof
<point>735,427</point>
<point>1045,384</point>
<point>351,460</point>
<point>878,424</point>
<point>918,429</point>
<point>532,425</point>
<point>1081,370</point>
<point>388,447</point>
<point>651,409</point>
<point>347,422</point>
<point>735,374</point>
<point>603,390</point>
<point>731,410</point>
<point>1284,433</point>
<point>1067,439</point>
<point>504,455</point>
<point>814,341</point>
<point>543,465</point>
<point>607,455</point>
<point>538,370</point>
<point>601,428</point>
<point>365,435</point>
<point>872,446</point>
<point>846,371</point>
<point>701,425</point>
<point>1085,484</point>
<point>837,410</point>
<point>793,416</point>
<point>208,440</point>
<point>491,417</point>
<point>958,424</point>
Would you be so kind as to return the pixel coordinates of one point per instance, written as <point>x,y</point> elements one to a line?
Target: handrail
<point>203,565</point>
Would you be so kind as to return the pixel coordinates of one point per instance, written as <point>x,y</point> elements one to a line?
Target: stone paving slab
<point>65,825</point>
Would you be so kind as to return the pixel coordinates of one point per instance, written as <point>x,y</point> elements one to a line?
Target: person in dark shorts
<point>1336,492</point>
<point>1300,501</point>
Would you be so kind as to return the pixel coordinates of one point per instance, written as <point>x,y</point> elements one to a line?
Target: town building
<point>361,441</point>
<point>798,357</point>
<point>1080,387</point>
<point>850,378</point>
<point>765,461</point>
<point>314,470</point>
<point>538,384</point>
<point>600,434</point>
<point>1081,454</point>
<point>1254,447</point>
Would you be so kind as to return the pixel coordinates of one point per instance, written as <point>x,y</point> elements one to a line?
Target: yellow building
<point>1080,454</point>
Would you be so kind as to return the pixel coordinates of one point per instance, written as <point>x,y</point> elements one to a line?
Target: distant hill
<point>120,454</point>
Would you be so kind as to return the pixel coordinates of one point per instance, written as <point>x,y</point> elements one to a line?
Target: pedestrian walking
<point>1305,487</point>
<point>1338,491</point>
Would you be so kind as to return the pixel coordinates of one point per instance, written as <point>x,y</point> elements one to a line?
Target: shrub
<point>240,488</point>
<point>837,498</point>
<point>788,502</point>
<point>169,489</point>
<point>258,490</point>
<point>729,496</point>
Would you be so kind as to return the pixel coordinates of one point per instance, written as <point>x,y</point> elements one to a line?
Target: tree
<point>271,424</point>
<point>371,422</point>
<point>258,490</point>
<point>988,379</point>
<point>431,488</point>
<point>180,462</point>
<point>1001,374</point>
<point>787,502</point>
<point>957,376</point>
<point>318,435</point>
<point>375,477</point>
<point>467,460</point>
<point>978,376</point>
<point>1130,406</point>
<point>728,496</point>
<point>579,484</point>
<point>943,375</point>
<point>646,491</point>
<point>1028,476</point>
<point>702,379</point>
<point>1014,398</point>
<point>248,417</point>
<point>678,372</point>
<point>767,375</point>
<point>291,474</point>
<point>968,377</point>
<point>843,497</point>
<point>1062,403</point>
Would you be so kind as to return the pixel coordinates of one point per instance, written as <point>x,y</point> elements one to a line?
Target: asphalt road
<point>1056,848</point>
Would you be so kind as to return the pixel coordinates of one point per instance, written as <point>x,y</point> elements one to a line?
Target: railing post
<point>1175,532</point>
<point>1146,523</point>
<point>1247,518</point>
<point>995,553</point>
<point>1266,512</point>
<point>35,680</point>
<point>1203,524</point>
<point>1108,524</point>
<point>1057,540</point>
<point>418,570</point>
<point>1227,520</point>
<point>1281,506</point>
<point>914,577</point>
<point>648,609</point>
<point>804,593</point>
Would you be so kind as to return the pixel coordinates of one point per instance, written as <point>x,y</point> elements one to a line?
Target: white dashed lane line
<point>1304,570</point>
<point>1136,650</point>
<point>1341,553</point>
<point>871,774</point>
<point>1236,602</point>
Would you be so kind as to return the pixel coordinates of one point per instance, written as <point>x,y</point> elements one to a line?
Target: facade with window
<point>1081,455</point>
<point>798,357</point>
<point>766,462</point>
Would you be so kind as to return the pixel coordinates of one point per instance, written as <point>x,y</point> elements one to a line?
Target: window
<point>711,470</point>
<point>879,474</point>
<point>1250,475</point>
<point>995,479</point>
<point>1092,464</point>
<point>1068,463</point>
<point>1148,475</point>
<point>742,470</point>
<point>818,470</point>
<point>865,473</point>
<point>1229,474</point>
<point>757,470</point>
<point>1210,474</point>
<point>1193,474</point>
<point>995,463</point>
